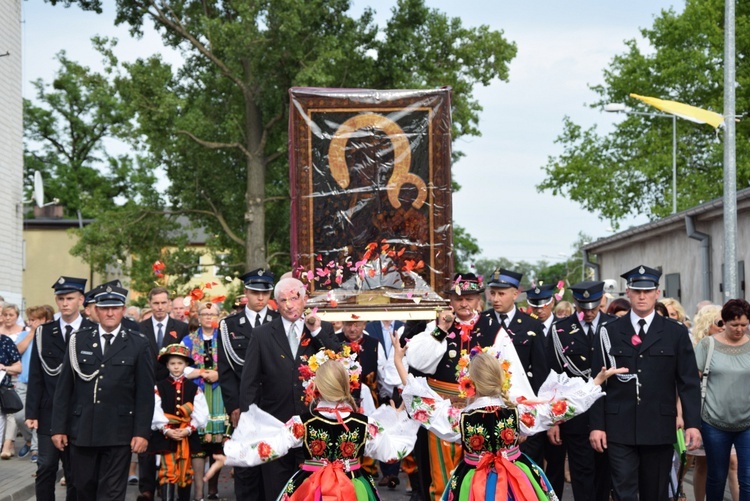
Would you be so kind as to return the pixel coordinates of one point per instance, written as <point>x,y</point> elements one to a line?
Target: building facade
<point>688,248</point>
<point>11,151</point>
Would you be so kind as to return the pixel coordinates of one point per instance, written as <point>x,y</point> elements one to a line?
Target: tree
<point>218,123</point>
<point>63,135</point>
<point>629,171</point>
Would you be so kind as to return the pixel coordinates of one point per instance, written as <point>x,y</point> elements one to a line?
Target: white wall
<point>11,151</point>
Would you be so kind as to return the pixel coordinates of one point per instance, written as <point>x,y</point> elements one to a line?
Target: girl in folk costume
<point>333,435</point>
<point>202,345</point>
<point>180,410</point>
<point>490,426</point>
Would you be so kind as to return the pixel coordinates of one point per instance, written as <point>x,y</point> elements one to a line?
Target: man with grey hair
<point>270,377</point>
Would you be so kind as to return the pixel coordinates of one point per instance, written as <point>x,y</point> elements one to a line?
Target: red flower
<point>527,418</point>
<point>354,346</point>
<point>508,435</point>
<point>476,442</point>
<point>305,341</point>
<point>173,334</point>
<point>214,324</point>
<point>196,294</point>
<point>559,407</point>
<point>264,450</point>
<point>466,385</point>
<point>348,449</point>
<point>428,401</point>
<point>305,372</point>
<point>298,430</point>
<point>420,415</point>
<point>218,299</point>
<point>317,447</point>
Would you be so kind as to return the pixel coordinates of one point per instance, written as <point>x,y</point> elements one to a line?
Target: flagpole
<point>731,289</point>
<point>674,164</point>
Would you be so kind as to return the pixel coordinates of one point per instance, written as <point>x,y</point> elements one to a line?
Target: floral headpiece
<point>466,386</point>
<point>347,356</point>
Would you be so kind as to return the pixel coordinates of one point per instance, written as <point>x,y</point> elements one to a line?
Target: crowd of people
<point>502,402</point>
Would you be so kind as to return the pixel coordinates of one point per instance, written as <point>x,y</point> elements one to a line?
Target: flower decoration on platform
<point>466,386</point>
<point>158,268</point>
<point>347,356</point>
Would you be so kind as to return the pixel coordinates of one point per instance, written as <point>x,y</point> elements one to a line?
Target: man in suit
<point>270,377</point>
<point>47,354</point>
<point>160,330</point>
<point>104,400</point>
<point>234,336</point>
<point>527,334</point>
<point>636,420</point>
<point>569,350</point>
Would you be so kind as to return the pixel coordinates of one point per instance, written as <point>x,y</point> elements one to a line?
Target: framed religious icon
<point>371,195</point>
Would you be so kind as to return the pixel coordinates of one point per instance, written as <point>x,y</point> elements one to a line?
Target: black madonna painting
<point>371,191</point>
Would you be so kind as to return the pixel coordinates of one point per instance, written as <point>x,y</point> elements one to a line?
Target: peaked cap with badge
<point>588,294</point>
<point>66,285</point>
<point>642,278</point>
<point>259,279</point>
<point>503,279</point>
<point>540,295</point>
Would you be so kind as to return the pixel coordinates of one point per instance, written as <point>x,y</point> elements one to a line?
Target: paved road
<point>17,484</point>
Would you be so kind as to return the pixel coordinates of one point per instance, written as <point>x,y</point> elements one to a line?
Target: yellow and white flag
<point>692,113</point>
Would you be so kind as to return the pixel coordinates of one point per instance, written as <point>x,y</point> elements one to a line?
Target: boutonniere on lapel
<point>355,347</point>
<point>173,334</point>
<point>305,339</point>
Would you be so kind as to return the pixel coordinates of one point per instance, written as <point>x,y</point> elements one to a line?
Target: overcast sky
<point>563,48</point>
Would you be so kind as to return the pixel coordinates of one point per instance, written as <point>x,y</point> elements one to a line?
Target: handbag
<point>10,402</point>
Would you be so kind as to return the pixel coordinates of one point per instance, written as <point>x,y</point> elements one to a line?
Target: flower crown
<point>347,356</point>
<point>466,386</point>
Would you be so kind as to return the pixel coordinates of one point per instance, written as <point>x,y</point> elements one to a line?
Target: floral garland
<point>466,386</point>
<point>347,356</point>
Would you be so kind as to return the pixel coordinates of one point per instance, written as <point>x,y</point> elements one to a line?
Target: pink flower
<point>420,415</point>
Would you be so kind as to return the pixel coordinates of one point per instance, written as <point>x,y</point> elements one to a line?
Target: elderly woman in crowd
<point>10,363</point>
<point>203,351</point>
<point>726,408</point>
<point>15,331</point>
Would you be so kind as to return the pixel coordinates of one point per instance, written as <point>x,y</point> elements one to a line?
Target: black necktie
<point>257,320</point>
<point>68,332</point>
<point>642,330</point>
<point>159,335</point>
<point>588,329</point>
<point>107,343</point>
<point>503,319</point>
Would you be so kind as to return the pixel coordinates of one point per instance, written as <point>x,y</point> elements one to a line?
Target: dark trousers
<point>46,470</point>
<point>640,472</point>
<point>589,470</point>
<point>248,484</point>
<point>171,492</point>
<point>147,473</point>
<point>554,457</point>
<point>100,472</point>
<point>421,455</point>
<point>534,447</point>
<point>277,473</point>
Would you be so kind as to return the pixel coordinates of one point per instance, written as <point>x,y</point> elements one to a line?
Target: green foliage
<point>629,171</point>
<point>217,124</point>
<point>465,249</point>
<point>63,140</point>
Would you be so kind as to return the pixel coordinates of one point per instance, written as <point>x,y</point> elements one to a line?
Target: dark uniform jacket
<point>115,405</point>
<point>527,334</point>
<point>270,377</point>
<point>41,386</point>
<point>577,350</point>
<point>174,331</point>
<point>665,365</point>
<point>238,329</point>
